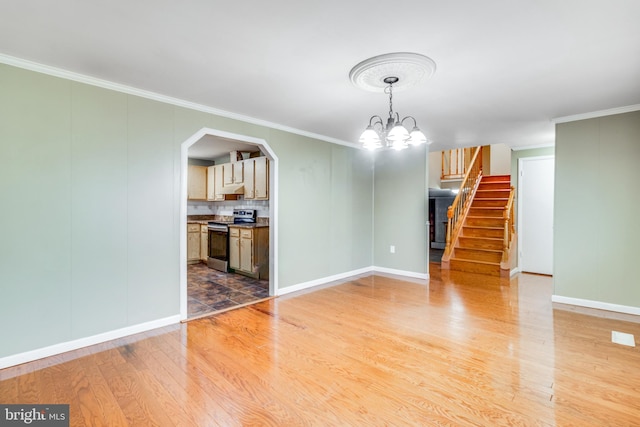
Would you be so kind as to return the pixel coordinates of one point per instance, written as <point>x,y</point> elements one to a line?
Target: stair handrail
<point>460,205</point>
<point>509,226</point>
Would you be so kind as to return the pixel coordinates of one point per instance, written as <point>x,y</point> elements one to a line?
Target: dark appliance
<point>219,238</point>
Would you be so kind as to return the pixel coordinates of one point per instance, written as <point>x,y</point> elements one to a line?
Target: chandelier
<point>381,73</point>
<point>395,134</point>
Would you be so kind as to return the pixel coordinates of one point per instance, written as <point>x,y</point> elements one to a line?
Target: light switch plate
<point>623,338</point>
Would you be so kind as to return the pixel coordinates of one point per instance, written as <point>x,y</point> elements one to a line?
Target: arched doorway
<point>268,152</point>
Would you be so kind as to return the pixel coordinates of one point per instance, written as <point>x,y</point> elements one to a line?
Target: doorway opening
<point>206,288</point>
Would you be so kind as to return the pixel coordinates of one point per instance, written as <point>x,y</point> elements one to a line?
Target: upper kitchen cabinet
<point>215,182</point>
<point>197,183</point>
<point>256,178</point>
<point>238,172</point>
<point>233,173</point>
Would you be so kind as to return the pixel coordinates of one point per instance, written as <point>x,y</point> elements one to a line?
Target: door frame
<point>273,207</point>
<point>520,199</point>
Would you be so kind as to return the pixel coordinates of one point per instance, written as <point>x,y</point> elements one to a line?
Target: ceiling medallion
<point>409,68</point>
<point>385,73</point>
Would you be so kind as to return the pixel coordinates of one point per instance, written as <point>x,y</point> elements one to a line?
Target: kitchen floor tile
<point>211,290</point>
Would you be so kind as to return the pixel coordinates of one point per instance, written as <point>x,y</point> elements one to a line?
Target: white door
<point>535,208</point>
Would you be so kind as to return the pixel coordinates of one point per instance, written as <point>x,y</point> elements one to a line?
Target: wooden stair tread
<point>481,238</point>
<point>478,248</point>
<point>497,177</point>
<point>475,261</point>
<point>478,267</point>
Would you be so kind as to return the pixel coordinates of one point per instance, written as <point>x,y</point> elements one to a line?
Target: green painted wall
<point>325,208</point>
<point>90,190</point>
<point>401,209</point>
<point>596,228</point>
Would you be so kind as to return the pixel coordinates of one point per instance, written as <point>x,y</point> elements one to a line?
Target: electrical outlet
<point>392,249</point>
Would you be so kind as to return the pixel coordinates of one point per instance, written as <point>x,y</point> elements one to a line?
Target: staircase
<point>479,247</point>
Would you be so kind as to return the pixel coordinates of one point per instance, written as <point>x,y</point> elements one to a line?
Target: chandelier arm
<point>415,122</point>
<point>379,121</point>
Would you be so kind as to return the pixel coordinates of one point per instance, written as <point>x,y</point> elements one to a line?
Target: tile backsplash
<point>227,207</point>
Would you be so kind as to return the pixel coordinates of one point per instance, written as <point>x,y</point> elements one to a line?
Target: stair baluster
<point>455,213</point>
<point>509,229</point>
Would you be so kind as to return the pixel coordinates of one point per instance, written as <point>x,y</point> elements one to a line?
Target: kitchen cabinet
<point>233,173</point>
<point>249,251</point>
<point>253,173</point>
<point>197,243</point>
<point>204,243</point>
<point>197,182</point>
<point>256,179</point>
<point>238,172</point>
<point>234,248</point>
<point>193,243</point>
<point>215,182</point>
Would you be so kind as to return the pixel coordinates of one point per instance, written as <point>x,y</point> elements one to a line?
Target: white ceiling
<point>209,147</point>
<point>505,68</point>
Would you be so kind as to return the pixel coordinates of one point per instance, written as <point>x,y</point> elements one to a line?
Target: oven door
<point>218,249</point>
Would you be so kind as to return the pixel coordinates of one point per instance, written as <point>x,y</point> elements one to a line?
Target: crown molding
<point>533,147</point>
<point>594,114</point>
<point>105,84</point>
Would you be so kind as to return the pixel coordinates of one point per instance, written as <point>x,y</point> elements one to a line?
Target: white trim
<point>323,281</point>
<point>596,304</point>
<point>423,276</point>
<point>594,114</point>
<point>533,147</point>
<point>273,208</point>
<point>348,274</point>
<point>30,356</point>
<point>93,81</point>
<point>514,272</point>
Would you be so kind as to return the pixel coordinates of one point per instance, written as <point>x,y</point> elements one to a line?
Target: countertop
<point>206,222</point>
<point>254,225</point>
<point>197,221</point>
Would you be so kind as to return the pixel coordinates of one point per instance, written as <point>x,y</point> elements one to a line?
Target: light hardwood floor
<point>464,350</point>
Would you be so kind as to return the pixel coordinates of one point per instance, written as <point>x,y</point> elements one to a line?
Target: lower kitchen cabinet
<point>249,251</point>
<point>204,243</point>
<point>193,243</point>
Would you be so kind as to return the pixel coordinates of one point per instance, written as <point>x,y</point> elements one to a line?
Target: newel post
<point>449,216</point>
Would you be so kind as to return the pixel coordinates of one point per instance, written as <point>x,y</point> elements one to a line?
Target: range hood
<point>233,189</point>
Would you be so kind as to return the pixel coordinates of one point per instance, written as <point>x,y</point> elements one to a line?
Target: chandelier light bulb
<point>370,138</point>
<point>416,137</point>
<point>398,136</point>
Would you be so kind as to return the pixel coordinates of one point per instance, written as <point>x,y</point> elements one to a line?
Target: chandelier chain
<point>390,100</point>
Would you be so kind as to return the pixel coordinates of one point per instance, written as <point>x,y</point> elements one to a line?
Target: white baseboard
<point>30,356</point>
<point>514,272</point>
<point>424,276</point>
<point>341,276</point>
<point>323,281</point>
<point>596,304</point>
